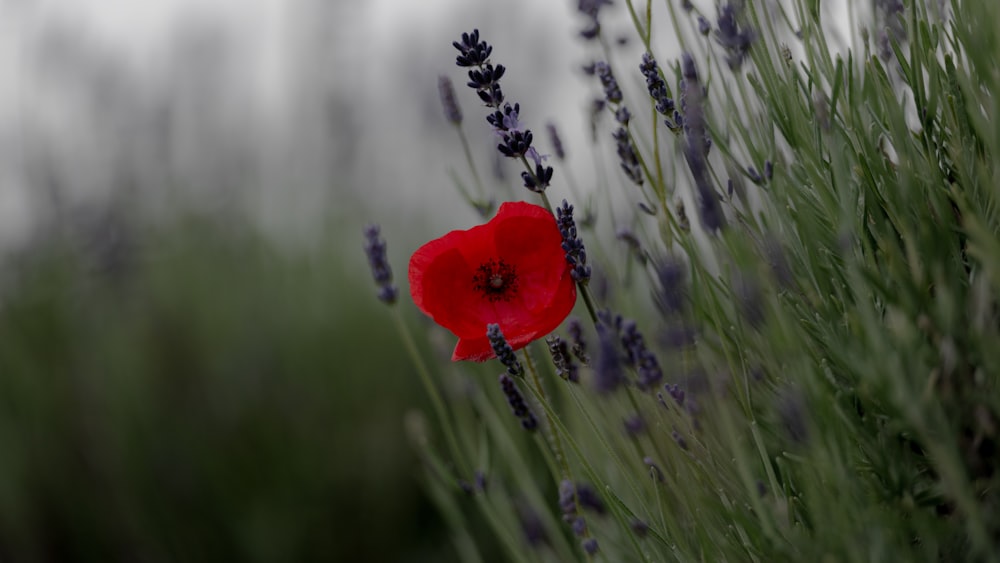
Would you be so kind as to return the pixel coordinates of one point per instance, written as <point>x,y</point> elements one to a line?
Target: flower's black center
<point>496,280</point>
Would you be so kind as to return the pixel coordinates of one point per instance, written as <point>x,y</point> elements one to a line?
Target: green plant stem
<point>468,158</point>
<point>432,391</point>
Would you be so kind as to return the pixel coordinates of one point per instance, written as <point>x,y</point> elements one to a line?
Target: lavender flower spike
<point>518,405</point>
<point>375,249</point>
<point>656,86</point>
<point>607,365</point>
<point>503,350</point>
<point>576,254</point>
<point>566,368</point>
<point>696,146</point>
<point>446,90</point>
<point>731,37</point>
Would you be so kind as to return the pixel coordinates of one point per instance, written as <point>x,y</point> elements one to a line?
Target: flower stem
<point>468,158</point>
<point>432,391</point>
<point>588,300</point>
<point>551,434</point>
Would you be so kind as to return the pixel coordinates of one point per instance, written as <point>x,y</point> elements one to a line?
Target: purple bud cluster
<point>736,40</point>
<point>658,89</point>
<point>607,366</point>
<point>375,248</point>
<point>576,497</point>
<point>446,90</point>
<point>566,368</point>
<point>518,405</point>
<point>634,425</point>
<point>591,8</point>
<point>503,350</point>
<point>638,356</point>
<point>572,245</point>
<point>557,144</point>
<point>575,329</point>
<point>697,143</point>
<point>627,155</point>
<point>484,78</point>
<point>612,92</point>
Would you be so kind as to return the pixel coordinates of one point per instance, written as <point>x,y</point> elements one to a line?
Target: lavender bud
<point>676,393</point>
<point>589,499</point>
<point>635,425</point>
<point>590,546</point>
<point>679,439</point>
<point>472,51</point>
<point>654,469</point>
<point>639,528</point>
<point>623,116</point>
<point>532,526</point>
<point>656,86</point>
<point>704,26</point>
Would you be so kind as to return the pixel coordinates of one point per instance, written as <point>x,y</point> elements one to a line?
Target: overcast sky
<point>379,59</point>
<point>327,100</point>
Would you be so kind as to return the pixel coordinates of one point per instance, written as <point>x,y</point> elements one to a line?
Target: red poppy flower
<point>511,271</point>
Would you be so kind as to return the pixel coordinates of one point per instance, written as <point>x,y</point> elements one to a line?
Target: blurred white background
<point>285,108</point>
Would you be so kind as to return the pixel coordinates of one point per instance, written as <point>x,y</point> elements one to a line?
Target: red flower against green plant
<point>512,271</point>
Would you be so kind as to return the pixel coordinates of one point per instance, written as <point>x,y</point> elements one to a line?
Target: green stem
<point>432,391</point>
<point>469,159</point>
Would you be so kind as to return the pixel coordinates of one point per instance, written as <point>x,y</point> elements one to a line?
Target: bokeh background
<point>193,364</point>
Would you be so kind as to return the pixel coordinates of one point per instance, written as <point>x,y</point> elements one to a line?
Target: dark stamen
<point>496,280</point>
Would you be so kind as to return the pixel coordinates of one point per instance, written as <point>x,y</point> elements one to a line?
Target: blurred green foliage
<point>191,392</point>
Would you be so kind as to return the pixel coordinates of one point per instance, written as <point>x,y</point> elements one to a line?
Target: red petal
<point>521,234</point>
<point>475,349</point>
<point>438,273</point>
